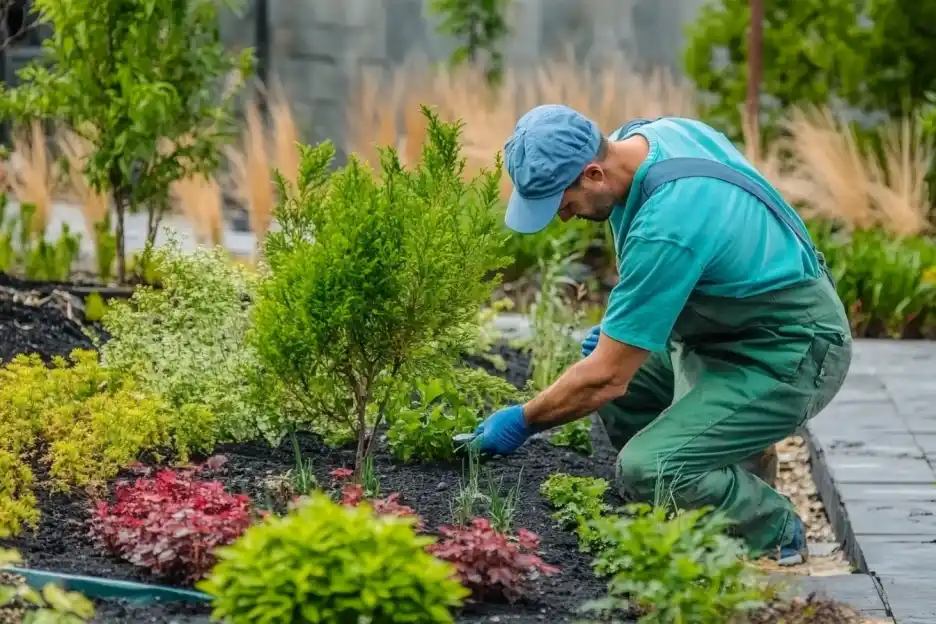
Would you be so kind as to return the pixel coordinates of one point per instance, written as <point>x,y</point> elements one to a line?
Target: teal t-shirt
<point>695,235</point>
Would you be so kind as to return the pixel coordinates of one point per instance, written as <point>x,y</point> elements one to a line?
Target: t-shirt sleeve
<point>656,278</point>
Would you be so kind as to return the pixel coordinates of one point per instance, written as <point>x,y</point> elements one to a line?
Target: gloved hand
<point>591,341</point>
<point>503,432</point>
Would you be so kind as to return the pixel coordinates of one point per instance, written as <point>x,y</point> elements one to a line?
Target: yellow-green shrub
<point>326,562</point>
<point>89,422</point>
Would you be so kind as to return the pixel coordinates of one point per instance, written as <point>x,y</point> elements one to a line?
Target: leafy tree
<point>373,279</point>
<point>480,26</point>
<point>143,81</point>
<point>874,55</point>
<point>811,51</point>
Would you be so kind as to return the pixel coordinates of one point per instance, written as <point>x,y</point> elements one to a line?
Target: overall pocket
<point>832,359</point>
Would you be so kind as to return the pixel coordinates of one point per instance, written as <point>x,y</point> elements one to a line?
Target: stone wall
<point>317,46</point>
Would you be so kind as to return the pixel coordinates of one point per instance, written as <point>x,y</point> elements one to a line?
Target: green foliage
<point>814,49</point>
<point>552,321</point>
<point>23,250</point>
<point>578,501</point>
<point>186,342</point>
<point>682,568</point>
<point>442,407</point>
<point>51,605</point>
<point>95,308</point>
<point>143,81</point>
<point>87,422</point>
<point>888,285</point>
<point>376,278</point>
<point>480,26</point>
<point>105,246</point>
<point>575,435</point>
<point>325,562</point>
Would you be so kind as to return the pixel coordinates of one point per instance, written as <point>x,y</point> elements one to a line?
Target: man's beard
<point>602,215</point>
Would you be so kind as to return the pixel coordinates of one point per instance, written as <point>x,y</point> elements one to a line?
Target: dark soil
<point>47,324</point>
<point>61,542</point>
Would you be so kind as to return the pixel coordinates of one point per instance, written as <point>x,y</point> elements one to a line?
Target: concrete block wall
<point>318,46</point>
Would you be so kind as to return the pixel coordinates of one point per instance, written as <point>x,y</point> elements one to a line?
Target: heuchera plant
<point>488,563</point>
<point>170,524</point>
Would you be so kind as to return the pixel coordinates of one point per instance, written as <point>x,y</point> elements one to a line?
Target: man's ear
<point>594,172</point>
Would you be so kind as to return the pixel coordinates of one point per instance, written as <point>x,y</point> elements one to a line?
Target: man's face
<point>591,199</point>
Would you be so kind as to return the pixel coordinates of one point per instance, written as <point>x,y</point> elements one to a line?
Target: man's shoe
<point>795,551</point>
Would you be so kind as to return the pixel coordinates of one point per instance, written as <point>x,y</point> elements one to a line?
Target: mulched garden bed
<point>51,324</point>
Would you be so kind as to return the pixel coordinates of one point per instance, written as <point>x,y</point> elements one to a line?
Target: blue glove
<point>591,341</point>
<point>503,432</point>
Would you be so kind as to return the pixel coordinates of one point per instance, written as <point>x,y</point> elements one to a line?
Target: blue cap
<point>549,149</point>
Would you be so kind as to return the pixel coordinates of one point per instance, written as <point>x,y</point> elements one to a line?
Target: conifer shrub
<point>375,278</point>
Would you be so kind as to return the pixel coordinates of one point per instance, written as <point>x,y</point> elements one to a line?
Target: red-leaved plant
<point>352,494</point>
<point>490,564</point>
<point>170,524</point>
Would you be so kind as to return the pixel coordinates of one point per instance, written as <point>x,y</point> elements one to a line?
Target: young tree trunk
<point>755,64</point>
<point>120,206</point>
<point>154,216</point>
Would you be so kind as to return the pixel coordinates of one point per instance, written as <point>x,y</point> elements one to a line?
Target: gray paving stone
<point>918,418</point>
<point>927,442</point>
<point>860,388</point>
<point>920,492</point>
<point>916,518</point>
<point>848,441</point>
<point>855,590</point>
<point>912,600</point>
<point>919,386</point>
<point>870,418</point>
<point>900,556</point>
<point>879,469</point>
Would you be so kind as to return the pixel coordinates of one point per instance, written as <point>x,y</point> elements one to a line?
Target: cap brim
<point>528,216</point>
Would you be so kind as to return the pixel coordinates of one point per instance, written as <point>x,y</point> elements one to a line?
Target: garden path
<point>873,455</point>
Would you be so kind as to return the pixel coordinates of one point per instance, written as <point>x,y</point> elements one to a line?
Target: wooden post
<point>755,64</point>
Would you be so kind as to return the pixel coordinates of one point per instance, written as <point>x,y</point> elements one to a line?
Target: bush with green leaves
<point>480,26</point>
<point>872,55</point>
<point>328,562</point>
<point>148,83</point>
<point>888,284</point>
<point>675,568</point>
<point>187,341</point>
<point>51,605</point>
<point>578,502</point>
<point>441,407</point>
<point>376,279</point>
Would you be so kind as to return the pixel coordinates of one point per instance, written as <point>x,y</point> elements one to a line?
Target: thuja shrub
<point>81,422</point>
<point>675,568</point>
<point>171,524</point>
<point>374,277</point>
<point>490,564</point>
<point>186,341</point>
<point>578,501</point>
<point>328,562</point>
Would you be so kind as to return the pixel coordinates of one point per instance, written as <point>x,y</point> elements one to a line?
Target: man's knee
<point>637,477</point>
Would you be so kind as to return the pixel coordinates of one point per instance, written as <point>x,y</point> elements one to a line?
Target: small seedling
<point>465,503</point>
<point>502,506</point>
<point>302,478</point>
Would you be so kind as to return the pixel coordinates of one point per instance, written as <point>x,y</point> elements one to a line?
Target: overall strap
<point>634,124</point>
<point>671,169</point>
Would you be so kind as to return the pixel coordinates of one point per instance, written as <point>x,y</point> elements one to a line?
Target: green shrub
<point>886,283</point>
<point>443,407</point>
<point>578,502</point>
<point>83,423</point>
<point>326,562</point>
<point>374,278</point>
<point>682,568</point>
<point>187,342</point>
<point>95,308</point>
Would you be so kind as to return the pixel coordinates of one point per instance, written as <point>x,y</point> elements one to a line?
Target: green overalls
<point>739,376</point>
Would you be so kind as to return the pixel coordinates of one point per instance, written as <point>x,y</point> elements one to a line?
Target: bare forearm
<point>581,390</point>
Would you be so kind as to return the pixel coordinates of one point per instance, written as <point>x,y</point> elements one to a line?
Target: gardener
<point>723,335</point>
